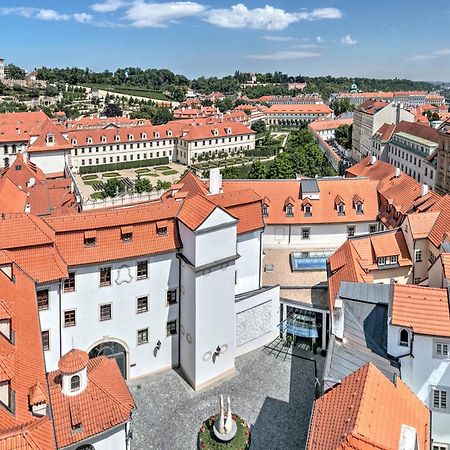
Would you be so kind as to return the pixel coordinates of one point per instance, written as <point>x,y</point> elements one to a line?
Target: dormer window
<point>341,209</point>
<point>89,140</point>
<point>404,338</point>
<point>381,261</point>
<point>265,210</point>
<point>130,137</point>
<point>50,139</point>
<point>5,329</point>
<point>143,135</point>
<point>117,138</point>
<point>161,228</point>
<point>228,130</point>
<point>75,383</point>
<point>90,238</point>
<point>307,210</point>
<point>359,208</point>
<point>7,395</point>
<point>289,210</point>
<point>127,234</point>
<point>169,133</point>
<point>103,138</point>
<point>74,142</point>
<point>216,132</point>
<point>156,134</point>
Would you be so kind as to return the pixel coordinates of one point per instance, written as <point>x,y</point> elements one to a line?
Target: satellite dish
<point>32,182</point>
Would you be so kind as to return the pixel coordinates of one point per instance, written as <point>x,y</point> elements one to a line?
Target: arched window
<point>404,338</point>
<point>265,210</point>
<point>86,447</point>
<point>289,210</point>
<point>75,383</point>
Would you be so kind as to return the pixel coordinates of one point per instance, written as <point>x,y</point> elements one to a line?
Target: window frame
<point>170,330</point>
<point>140,310</point>
<point>67,311</point>
<point>402,342</point>
<point>444,352</point>
<point>170,302</point>
<point>103,305</point>
<point>70,282</point>
<point>138,335</point>
<point>47,306</point>
<point>441,399</point>
<point>45,348</point>
<point>145,276</point>
<point>77,386</point>
<point>306,232</point>
<point>107,278</point>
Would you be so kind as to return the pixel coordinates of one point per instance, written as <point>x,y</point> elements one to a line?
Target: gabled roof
<point>105,403</point>
<point>424,309</point>
<point>195,211</point>
<point>316,108</point>
<point>371,107</point>
<point>367,411</point>
<point>12,199</point>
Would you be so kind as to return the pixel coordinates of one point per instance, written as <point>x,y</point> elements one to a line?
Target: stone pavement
<point>275,394</point>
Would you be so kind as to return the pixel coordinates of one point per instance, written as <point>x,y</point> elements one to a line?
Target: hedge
<point>263,151</point>
<point>124,165</point>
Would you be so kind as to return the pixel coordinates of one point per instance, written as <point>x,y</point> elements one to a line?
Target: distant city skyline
<point>383,39</point>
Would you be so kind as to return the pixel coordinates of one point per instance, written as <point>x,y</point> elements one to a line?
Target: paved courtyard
<point>275,394</point>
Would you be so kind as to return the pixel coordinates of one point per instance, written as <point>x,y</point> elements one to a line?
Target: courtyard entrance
<point>112,350</point>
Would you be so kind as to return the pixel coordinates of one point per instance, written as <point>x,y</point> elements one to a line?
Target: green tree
<point>161,116</point>
<point>112,187</point>
<point>343,135</point>
<point>143,185</point>
<point>112,110</point>
<point>259,127</point>
<point>230,173</point>
<point>280,167</point>
<point>163,185</point>
<point>15,72</point>
<point>258,170</point>
<point>341,106</point>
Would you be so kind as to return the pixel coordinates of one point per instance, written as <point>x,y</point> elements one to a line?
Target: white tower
<point>73,367</point>
<point>2,69</point>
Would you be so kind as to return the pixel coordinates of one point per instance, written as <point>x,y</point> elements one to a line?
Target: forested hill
<point>176,85</point>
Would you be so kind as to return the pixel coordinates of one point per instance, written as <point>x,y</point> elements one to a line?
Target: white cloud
<point>278,38</point>
<point>348,40</point>
<point>285,55</point>
<point>433,55</point>
<point>305,46</point>
<point>142,14</point>
<point>44,14</point>
<point>319,39</point>
<point>266,18</point>
<point>107,6</point>
<point>321,13</point>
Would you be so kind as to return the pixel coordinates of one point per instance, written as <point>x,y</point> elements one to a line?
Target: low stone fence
<point>120,200</point>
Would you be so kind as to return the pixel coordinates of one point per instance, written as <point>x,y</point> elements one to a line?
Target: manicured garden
<point>208,441</point>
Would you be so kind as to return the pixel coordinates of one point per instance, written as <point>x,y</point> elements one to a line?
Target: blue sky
<point>375,38</point>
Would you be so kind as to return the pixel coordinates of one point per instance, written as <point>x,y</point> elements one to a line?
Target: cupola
<point>73,368</point>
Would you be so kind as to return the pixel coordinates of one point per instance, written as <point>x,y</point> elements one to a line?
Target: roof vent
<point>373,160</point>
<point>397,172</point>
<point>424,190</point>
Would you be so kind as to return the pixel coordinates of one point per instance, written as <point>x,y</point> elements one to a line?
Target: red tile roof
<point>23,364</point>
<point>195,211</point>
<point>371,107</point>
<point>316,108</point>
<point>12,199</point>
<point>367,411</point>
<point>105,403</point>
<point>73,361</point>
<point>321,125</point>
<point>323,210</point>
<point>424,309</point>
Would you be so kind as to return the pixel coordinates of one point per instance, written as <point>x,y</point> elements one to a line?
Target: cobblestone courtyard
<point>275,394</point>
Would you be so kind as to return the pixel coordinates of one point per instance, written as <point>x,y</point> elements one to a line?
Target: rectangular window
<point>171,328</point>
<point>441,350</point>
<point>372,228</point>
<point>142,336</point>
<point>440,447</point>
<point>69,283</point>
<point>306,233</point>
<point>394,259</point>
<point>142,305</point>
<point>439,399</point>
<point>46,340</point>
<point>42,299</point>
<point>142,270</point>
<point>418,255</point>
<point>127,237</point>
<point>381,261</point>
<point>171,297</point>
<point>105,312</point>
<point>69,318</point>
<point>90,241</point>
<point>351,231</point>
<point>105,276</point>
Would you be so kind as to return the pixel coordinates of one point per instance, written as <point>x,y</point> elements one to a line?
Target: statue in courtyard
<point>225,426</point>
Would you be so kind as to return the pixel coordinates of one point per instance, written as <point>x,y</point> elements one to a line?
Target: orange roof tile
<point>105,403</point>
<point>316,108</point>
<point>323,210</point>
<point>12,199</point>
<point>422,223</point>
<point>321,125</point>
<point>367,411</point>
<point>73,361</point>
<point>424,309</point>
<point>195,211</point>
<point>445,257</point>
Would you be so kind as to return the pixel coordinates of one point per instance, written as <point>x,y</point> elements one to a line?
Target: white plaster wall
<point>125,322</point>
<point>248,265</point>
<point>257,320</point>
<point>113,439</point>
<point>401,275</point>
<point>423,371</point>
<point>49,162</point>
<point>322,236</point>
<point>436,274</point>
<point>215,323</point>
<point>187,237</point>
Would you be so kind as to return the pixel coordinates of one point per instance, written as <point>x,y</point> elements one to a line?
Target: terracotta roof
<point>106,122</point>
<point>445,258</point>
<point>424,309</point>
<point>323,210</point>
<point>12,199</point>
<point>195,211</point>
<point>18,127</point>
<point>216,130</point>
<point>371,107</point>
<point>40,144</point>
<point>421,224</point>
<point>321,125</point>
<point>316,108</point>
<point>356,259</point>
<point>105,403</point>
<point>442,224</point>
<point>23,364</point>
<point>367,411</point>
<point>418,130</point>
<point>73,361</point>
<point>384,133</point>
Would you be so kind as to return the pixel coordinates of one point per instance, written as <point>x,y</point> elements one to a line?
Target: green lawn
<point>89,177</point>
<point>92,182</point>
<point>162,168</point>
<point>169,172</point>
<point>139,171</point>
<point>97,195</point>
<point>111,175</point>
<point>150,175</point>
<point>134,91</point>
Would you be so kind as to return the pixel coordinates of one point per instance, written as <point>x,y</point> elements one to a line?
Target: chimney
<point>373,160</point>
<point>397,172</point>
<point>215,181</point>
<point>424,190</point>
<point>338,319</point>
<point>397,113</point>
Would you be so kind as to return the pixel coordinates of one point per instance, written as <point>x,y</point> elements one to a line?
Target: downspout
<point>260,257</point>
<point>60,320</point>
<point>179,312</point>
